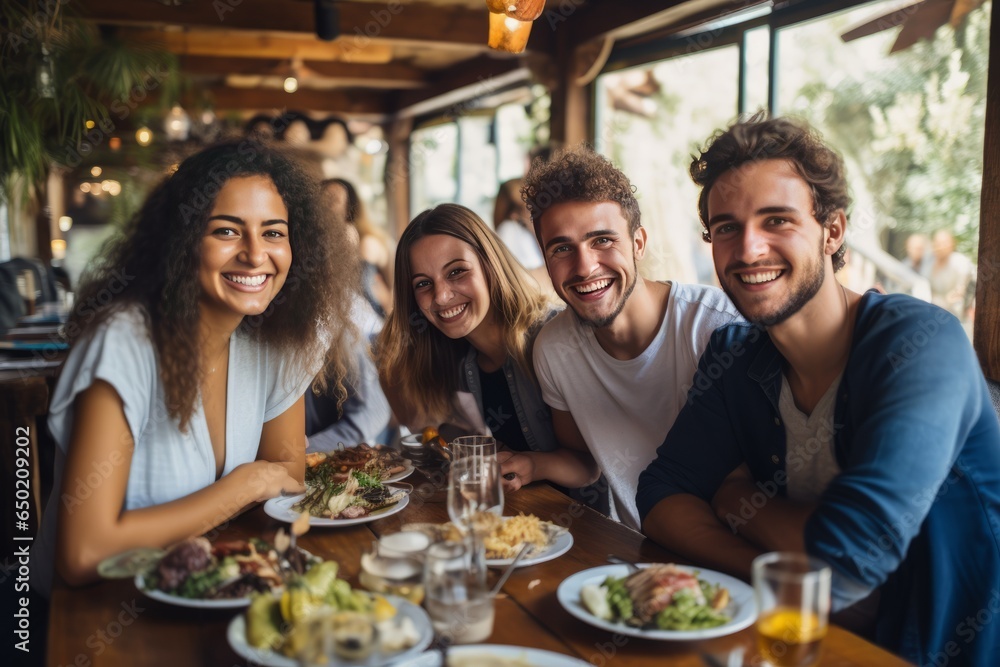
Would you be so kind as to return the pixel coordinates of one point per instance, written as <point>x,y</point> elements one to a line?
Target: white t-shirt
<point>521,243</point>
<point>624,409</point>
<point>810,462</point>
<point>167,464</point>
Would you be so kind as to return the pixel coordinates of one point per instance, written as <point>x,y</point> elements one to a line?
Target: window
<point>910,125</point>
<point>466,159</point>
<point>650,121</point>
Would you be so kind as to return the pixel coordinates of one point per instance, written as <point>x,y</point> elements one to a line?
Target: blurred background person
<point>375,245</point>
<point>918,259</point>
<point>513,225</point>
<point>365,415</point>
<point>950,274</point>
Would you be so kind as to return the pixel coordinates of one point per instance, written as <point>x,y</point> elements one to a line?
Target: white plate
<point>741,605</point>
<point>237,636</point>
<point>227,603</point>
<point>169,598</point>
<point>281,509</point>
<point>534,657</point>
<point>560,545</point>
<point>406,472</point>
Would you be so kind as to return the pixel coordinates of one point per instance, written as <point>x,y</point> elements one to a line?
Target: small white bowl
<point>405,543</point>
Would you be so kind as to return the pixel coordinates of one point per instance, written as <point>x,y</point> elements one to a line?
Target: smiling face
<point>449,284</point>
<point>245,252</point>
<point>591,258</point>
<point>770,252</point>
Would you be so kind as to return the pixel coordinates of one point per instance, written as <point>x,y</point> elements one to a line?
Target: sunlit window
<point>907,114</point>
<point>650,121</point>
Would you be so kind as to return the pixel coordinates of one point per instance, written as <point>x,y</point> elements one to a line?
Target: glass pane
<point>650,121</point>
<point>477,181</point>
<point>433,164</point>
<point>756,61</point>
<point>513,139</point>
<point>910,125</point>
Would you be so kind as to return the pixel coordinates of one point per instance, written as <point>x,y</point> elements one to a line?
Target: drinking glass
<point>457,599</point>
<point>393,575</point>
<point>474,487</point>
<point>480,446</point>
<point>792,592</point>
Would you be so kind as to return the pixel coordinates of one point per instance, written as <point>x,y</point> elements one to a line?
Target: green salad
<point>660,597</point>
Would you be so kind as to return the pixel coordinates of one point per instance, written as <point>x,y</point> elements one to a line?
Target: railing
<point>871,265</point>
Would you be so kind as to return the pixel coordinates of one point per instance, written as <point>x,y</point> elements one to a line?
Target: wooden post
<point>397,175</point>
<point>987,323</point>
<point>570,111</point>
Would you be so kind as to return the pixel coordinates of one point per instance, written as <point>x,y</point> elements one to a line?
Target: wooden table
<point>111,623</point>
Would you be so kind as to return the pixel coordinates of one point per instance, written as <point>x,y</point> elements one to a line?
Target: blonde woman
<point>464,319</point>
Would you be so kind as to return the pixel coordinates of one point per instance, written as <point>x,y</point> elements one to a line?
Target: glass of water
<point>456,596</point>
<point>474,488</point>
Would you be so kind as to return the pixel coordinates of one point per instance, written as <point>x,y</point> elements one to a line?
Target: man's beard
<point>602,322</point>
<point>803,294</point>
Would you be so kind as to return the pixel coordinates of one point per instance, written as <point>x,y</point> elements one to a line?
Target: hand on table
<point>516,468</point>
<point>267,479</point>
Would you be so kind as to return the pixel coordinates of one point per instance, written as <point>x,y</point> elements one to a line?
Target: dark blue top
<point>916,508</point>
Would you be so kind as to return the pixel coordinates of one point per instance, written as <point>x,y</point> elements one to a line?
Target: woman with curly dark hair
<point>193,342</point>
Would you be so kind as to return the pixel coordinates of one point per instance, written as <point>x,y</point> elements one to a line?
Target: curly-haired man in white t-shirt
<point>615,366</point>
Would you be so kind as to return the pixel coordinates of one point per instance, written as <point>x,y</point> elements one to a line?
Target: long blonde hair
<point>413,354</point>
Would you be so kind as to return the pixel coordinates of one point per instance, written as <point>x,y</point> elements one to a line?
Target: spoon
<point>510,568</point>
<point>623,561</point>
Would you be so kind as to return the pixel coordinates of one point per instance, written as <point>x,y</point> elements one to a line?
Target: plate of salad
<point>659,601</point>
<point>196,573</point>
<point>359,499</point>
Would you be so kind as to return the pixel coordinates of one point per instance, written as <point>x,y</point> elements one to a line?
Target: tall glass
<point>481,446</point>
<point>457,599</point>
<point>792,592</point>
<point>474,487</point>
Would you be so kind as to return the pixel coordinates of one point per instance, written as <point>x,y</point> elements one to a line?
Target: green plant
<point>57,75</point>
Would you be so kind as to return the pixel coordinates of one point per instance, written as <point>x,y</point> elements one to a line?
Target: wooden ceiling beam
<point>619,20</point>
<point>457,87</point>
<point>388,75</point>
<point>360,22</point>
<point>246,44</point>
<point>354,103</point>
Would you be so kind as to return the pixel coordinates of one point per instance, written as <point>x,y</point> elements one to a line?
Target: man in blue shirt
<point>856,428</point>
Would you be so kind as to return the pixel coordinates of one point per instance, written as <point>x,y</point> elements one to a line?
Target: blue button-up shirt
<point>916,507</point>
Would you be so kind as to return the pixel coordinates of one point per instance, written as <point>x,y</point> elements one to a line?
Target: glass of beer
<point>792,592</point>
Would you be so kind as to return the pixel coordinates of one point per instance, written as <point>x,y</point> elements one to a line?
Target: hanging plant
<point>56,74</point>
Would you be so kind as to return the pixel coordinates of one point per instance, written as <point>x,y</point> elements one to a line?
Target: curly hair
<point>578,175</point>
<point>760,138</point>
<point>154,265</point>
<point>415,355</point>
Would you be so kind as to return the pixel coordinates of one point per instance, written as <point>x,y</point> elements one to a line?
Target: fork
<point>623,561</point>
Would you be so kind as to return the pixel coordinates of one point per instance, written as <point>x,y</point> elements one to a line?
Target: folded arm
<point>769,521</point>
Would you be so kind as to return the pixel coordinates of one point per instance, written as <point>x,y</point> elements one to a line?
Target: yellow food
<point>429,434</point>
<point>504,535</point>
<point>382,608</point>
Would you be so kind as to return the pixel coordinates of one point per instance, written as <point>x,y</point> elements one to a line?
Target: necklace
<point>224,355</point>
